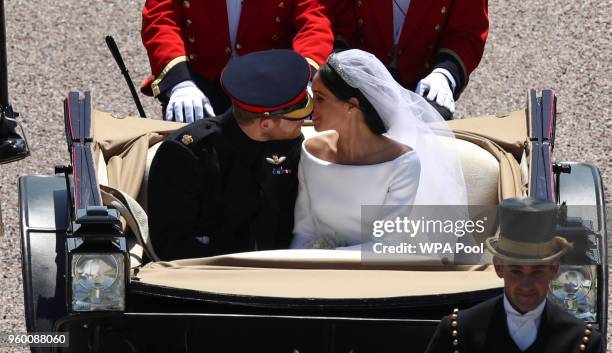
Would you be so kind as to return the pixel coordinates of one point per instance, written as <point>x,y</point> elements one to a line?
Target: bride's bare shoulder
<point>323,144</point>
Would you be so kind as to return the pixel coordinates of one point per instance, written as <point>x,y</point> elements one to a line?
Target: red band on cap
<point>258,109</point>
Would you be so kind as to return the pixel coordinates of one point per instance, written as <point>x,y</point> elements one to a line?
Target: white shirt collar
<point>533,313</point>
<point>523,328</point>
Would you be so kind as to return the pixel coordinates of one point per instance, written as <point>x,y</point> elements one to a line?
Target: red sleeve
<point>466,32</point>
<point>161,33</point>
<point>314,38</point>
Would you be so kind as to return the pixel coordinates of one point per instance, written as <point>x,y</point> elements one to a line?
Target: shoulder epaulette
<point>585,338</point>
<point>454,329</point>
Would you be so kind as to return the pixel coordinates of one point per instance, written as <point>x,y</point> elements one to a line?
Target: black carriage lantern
<point>97,262</point>
<point>13,146</point>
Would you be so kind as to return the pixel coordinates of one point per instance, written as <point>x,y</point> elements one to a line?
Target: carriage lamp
<point>575,289</point>
<point>97,261</point>
<point>98,281</point>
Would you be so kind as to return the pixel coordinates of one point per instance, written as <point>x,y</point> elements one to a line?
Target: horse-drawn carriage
<point>90,270</point>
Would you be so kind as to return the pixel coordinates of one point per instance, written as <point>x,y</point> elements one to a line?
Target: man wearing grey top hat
<point>526,256</point>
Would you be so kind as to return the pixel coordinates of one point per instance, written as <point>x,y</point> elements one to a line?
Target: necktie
<point>523,328</point>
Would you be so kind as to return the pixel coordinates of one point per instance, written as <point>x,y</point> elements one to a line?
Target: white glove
<point>186,96</point>
<point>439,90</point>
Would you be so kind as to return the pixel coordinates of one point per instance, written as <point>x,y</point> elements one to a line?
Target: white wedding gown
<point>330,196</point>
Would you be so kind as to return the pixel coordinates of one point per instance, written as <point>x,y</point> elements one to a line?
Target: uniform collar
<point>249,148</point>
<point>237,140</point>
<point>533,314</point>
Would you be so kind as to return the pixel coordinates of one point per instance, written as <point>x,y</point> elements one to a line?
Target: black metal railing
<point>78,133</point>
<point>542,120</point>
<point>4,99</point>
<point>89,218</point>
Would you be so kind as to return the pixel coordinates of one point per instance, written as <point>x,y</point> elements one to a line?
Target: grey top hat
<point>527,232</point>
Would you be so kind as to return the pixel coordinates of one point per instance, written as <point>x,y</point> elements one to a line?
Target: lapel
<point>417,12</point>
<point>248,16</point>
<point>501,335</point>
<point>219,8</point>
<point>239,187</point>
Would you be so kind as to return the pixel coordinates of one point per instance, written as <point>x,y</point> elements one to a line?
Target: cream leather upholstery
<point>102,174</point>
<point>142,195</point>
<point>480,170</point>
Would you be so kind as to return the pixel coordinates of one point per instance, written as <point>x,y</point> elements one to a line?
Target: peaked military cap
<point>527,232</point>
<point>271,82</point>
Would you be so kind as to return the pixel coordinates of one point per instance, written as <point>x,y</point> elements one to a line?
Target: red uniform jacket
<point>176,32</point>
<point>436,33</point>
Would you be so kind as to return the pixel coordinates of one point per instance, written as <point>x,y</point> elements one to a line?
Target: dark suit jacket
<point>210,179</point>
<point>483,328</point>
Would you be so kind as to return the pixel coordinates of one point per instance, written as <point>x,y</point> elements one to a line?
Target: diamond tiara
<point>333,62</point>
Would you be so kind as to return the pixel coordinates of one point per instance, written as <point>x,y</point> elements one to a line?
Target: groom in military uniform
<point>526,256</point>
<point>228,184</point>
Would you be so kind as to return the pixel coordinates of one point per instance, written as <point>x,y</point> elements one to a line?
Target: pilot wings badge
<point>276,160</point>
<point>277,168</point>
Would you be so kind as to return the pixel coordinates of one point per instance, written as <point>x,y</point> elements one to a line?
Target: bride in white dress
<point>376,147</point>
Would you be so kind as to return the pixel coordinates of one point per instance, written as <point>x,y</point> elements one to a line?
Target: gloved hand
<point>437,88</point>
<point>186,97</point>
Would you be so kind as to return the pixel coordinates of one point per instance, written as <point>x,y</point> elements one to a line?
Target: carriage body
<point>285,300</point>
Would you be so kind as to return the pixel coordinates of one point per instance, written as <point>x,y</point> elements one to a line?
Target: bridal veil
<point>409,120</point>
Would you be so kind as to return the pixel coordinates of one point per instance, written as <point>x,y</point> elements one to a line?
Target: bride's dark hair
<point>344,92</point>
